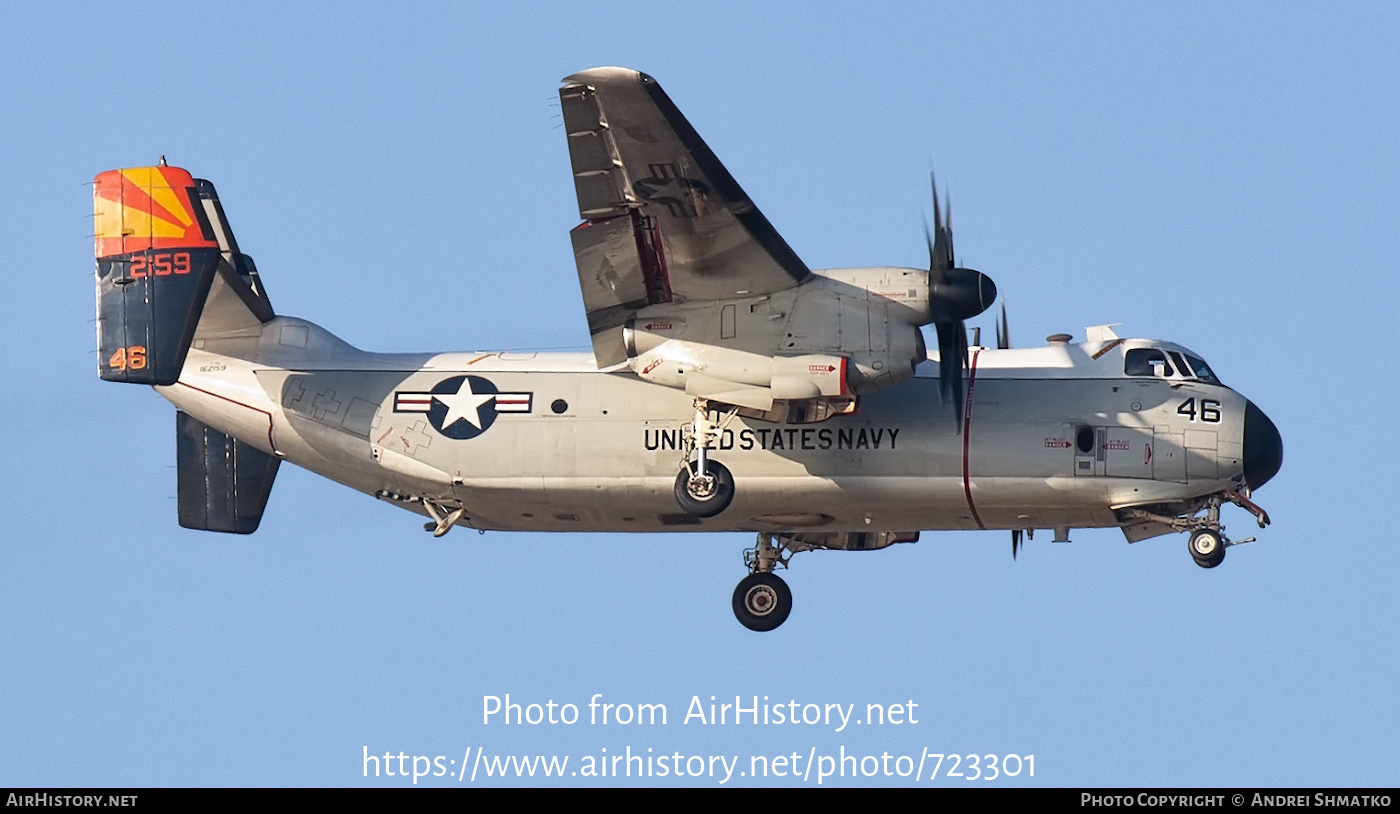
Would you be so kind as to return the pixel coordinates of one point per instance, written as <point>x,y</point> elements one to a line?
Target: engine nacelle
<point>871,370</point>
<point>871,316</point>
<point>845,332</point>
<point>740,377</point>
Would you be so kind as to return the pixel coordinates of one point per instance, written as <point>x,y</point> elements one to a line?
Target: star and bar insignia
<point>462,407</point>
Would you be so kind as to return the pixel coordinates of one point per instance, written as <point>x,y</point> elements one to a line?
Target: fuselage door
<point>1128,452</point>
<point>1087,444</point>
<point>1169,454</point>
<point>1117,452</point>
<point>1201,455</point>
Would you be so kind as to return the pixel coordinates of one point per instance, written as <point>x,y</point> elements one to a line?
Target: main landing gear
<point>704,488</point>
<point>762,600</point>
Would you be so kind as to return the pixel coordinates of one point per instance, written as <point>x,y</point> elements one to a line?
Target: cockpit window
<point>1146,362</point>
<point>1201,370</point>
<point>1181,366</point>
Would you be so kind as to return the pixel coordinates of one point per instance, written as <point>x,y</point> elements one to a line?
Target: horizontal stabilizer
<point>223,482</point>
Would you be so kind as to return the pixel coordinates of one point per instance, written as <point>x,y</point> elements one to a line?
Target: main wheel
<point>707,496</point>
<point>1207,548</point>
<point>762,601</point>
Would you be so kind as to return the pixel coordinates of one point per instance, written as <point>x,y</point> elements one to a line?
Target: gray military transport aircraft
<point>730,387</point>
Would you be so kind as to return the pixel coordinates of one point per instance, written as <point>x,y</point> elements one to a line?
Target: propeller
<point>955,295</point>
<point>1015,540</point>
<point>1003,330</point>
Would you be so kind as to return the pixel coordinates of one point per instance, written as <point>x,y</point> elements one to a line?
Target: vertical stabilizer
<point>162,245</point>
<point>223,482</point>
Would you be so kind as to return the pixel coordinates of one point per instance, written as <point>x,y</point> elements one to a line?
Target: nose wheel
<point>1207,548</point>
<point>1208,542</point>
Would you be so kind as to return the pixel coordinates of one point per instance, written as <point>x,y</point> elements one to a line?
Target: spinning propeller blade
<point>955,295</point>
<point>1003,329</point>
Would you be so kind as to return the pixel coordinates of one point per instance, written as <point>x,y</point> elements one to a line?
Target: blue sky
<point>1223,176</point>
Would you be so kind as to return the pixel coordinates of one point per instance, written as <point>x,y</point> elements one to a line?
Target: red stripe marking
<point>967,429</point>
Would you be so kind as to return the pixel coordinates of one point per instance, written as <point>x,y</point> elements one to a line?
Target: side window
<point>1146,362</point>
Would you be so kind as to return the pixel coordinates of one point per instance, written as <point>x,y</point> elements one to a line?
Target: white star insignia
<point>463,404</point>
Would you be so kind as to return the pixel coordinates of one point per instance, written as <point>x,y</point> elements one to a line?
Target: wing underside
<point>664,221</point>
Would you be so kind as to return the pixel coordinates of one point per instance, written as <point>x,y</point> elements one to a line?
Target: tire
<point>1207,548</point>
<point>762,602</point>
<point>705,505</point>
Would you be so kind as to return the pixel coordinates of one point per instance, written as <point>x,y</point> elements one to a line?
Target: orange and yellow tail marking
<point>146,208</point>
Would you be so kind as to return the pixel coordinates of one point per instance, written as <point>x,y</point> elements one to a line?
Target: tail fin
<point>165,258</point>
<point>223,483</point>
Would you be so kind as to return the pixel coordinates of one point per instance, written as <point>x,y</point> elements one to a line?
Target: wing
<point>664,221</point>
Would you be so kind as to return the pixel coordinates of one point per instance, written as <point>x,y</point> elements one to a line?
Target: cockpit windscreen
<point>1201,370</point>
<point>1155,362</point>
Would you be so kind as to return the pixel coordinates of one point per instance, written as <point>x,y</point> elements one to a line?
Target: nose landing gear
<point>1208,542</point>
<point>1207,548</point>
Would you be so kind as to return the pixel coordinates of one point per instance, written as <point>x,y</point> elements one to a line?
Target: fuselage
<point>1052,437</point>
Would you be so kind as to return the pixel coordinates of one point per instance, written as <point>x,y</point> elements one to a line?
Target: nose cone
<point>1263,447</point>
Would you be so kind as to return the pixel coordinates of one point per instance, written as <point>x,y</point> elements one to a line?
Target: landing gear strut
<point>704,488</point>
<point>762,600</point>
<point>444,517</point>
